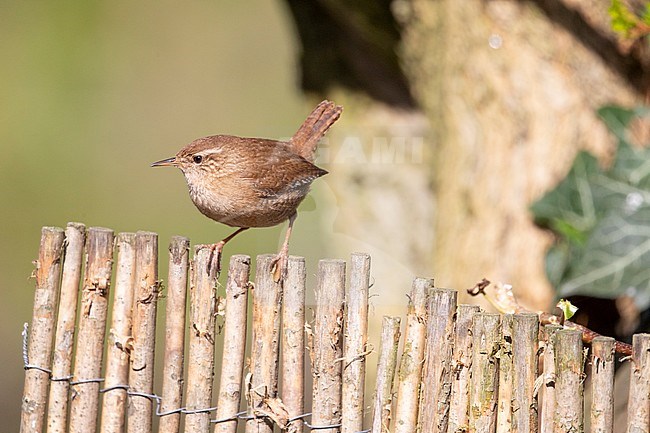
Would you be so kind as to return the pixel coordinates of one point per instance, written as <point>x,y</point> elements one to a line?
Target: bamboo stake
<point>119,338</point>
<point>92,326</point>
<point>147,290</point>
<point>485,368</point>
<point>638,412</point>
<point>172,385</point>
<point>39,351</point>
<point>434,408</point>
<point>568,381</point>
<point>326,351</point>
<point>602,384</point>
<point>263,386</point>
<point>385,374</point>
<point>524,350</point>
<point>506,367</point>
<point>548,388</point>
<point>461,364</point>
<point>200,371</point>
<point>293,341</point>
<point>410,369</point>
<point>57,415</point>
<point>355,342</point>
<point>234,342</point>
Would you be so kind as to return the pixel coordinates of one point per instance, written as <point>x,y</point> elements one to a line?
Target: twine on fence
<point>241,415</point>
<point>458,364</point>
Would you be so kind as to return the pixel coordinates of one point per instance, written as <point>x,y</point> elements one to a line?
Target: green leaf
<point>616,259</point>
<point>568,309</point>
<point>616,118</point>
<point>602,220</point>
<point>558,260</point>
<point>570,209</point>
<point>623,20</point>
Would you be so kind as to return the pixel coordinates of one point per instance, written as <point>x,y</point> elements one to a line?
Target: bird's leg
<point>218,248</point>
<point>281,261</point>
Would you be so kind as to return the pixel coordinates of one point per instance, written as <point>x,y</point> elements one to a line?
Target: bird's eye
<point>197,159</point>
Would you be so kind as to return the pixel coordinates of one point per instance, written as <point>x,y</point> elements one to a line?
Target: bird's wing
<point>281,172</point>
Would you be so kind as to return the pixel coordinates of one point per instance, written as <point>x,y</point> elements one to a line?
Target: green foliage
<point>626,22</point>
<point>602,220</point>
<point>623,20</point>
<point>568,309</point>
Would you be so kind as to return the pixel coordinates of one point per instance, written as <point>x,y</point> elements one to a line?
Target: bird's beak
<point>165,162</point>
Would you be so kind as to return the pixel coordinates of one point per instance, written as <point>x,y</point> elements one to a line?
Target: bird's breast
<point>218,207</point>
<point>242,207</point>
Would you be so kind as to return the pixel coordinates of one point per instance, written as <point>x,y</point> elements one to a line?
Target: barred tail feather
<point>305,140</point>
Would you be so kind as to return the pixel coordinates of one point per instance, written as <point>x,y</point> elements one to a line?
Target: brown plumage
<point>254,182</point>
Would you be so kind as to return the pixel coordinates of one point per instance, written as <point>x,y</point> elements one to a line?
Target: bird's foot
<point>214,262</point>
<point>280,266</point>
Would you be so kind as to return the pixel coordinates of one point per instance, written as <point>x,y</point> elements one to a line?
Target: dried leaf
<point>275,409</point>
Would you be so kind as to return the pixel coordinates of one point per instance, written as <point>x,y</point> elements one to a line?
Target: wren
<point>254,182</point>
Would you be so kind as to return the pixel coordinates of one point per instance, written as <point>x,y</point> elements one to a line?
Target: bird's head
<point>202,159</point>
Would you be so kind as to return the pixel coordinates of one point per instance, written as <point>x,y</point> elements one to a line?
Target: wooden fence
<point>459,369</point>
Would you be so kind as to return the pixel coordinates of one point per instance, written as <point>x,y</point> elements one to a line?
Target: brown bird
<point>254,182</point>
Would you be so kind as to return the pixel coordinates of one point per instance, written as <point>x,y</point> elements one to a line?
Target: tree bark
<point>507,93</point>
<point>511,98</point>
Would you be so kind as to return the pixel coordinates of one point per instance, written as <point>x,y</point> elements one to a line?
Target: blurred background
<point>458,116</point>
<point>94,93</point>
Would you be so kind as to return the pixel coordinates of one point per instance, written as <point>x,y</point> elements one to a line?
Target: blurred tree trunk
<point>380,196</point>
<point>502,93</point>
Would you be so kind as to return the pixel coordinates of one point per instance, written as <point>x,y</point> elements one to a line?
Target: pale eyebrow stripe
<point>211,151</point>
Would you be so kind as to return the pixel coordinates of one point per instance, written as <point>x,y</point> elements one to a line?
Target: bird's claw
<point>279,268</point>
<point>214,262</point>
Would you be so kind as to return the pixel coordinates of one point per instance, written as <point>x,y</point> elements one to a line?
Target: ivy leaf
<point>570,208</point>
<point>616,260</point>
<point>602,221</point>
